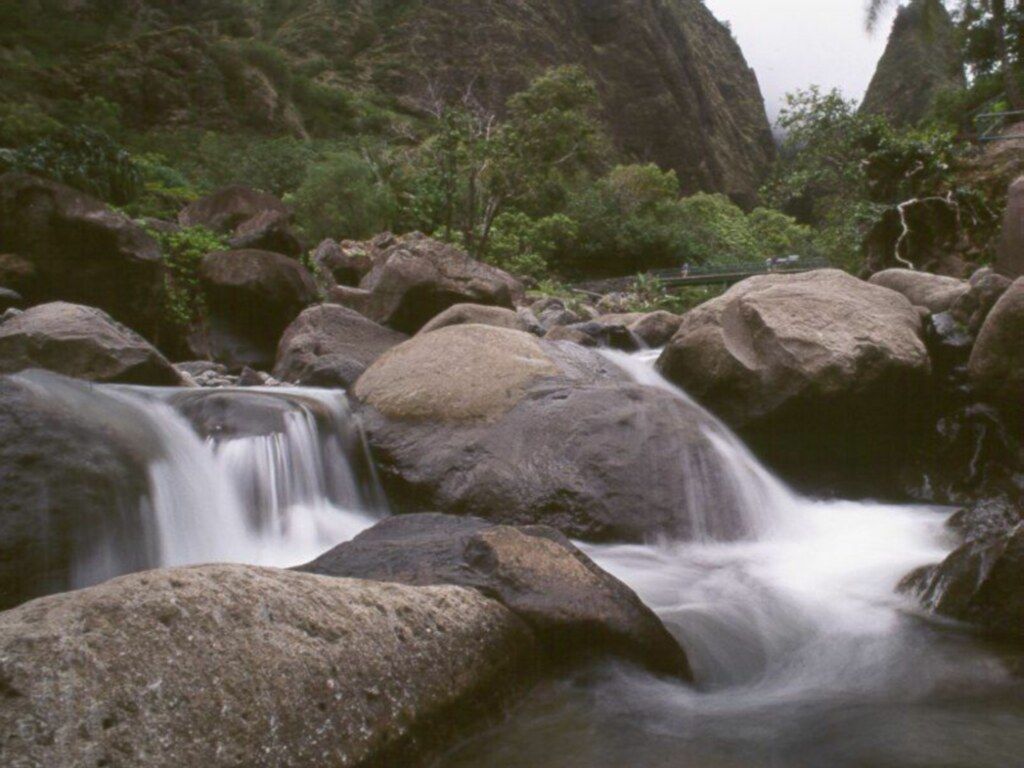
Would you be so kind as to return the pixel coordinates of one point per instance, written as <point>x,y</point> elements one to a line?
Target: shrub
<point>183,253</point>
<point>24,123</point>
<point>86,159</point>
<point>342,197</point>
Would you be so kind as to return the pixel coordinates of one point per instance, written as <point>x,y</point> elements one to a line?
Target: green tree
<point>343,197</point>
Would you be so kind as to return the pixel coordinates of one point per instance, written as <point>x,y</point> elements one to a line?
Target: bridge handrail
<point>753,268</point>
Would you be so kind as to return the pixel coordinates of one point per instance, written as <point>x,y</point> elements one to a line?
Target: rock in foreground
<point>232,665</point>
<point>491,422</point>
<point>572,605</point>
<point>82,342</point>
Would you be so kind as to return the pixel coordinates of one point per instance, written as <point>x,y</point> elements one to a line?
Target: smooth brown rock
<point>477,314</point>
<point>933,292</point>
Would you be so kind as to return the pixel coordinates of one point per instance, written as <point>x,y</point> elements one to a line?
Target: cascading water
<point>267,477</point>
<point>805,654</point>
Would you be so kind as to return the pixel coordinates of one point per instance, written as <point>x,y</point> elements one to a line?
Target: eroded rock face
<point>251,297</point>
<point>82,342</point>
<point>415,278</point>
<point>495,423</point>
<point>997,361</point>
<point>330,346</point>
<point>250,666</point>
<point>344,263</point>
<point>933,292</point>
<point>799,360</point>
<point>226,209</point>
<point>59,244</point>
<point>535,572</point>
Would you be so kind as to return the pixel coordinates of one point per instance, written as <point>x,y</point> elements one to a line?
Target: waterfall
<point>804,651</point>
<point>814,579</point>
<point>269,477</point>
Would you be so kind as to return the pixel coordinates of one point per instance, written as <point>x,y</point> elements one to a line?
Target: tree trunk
<point>1010,80</point>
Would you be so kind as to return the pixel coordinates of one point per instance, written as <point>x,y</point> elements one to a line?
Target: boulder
<point>595,334</point>
<point>933,292</point>
<point>656,329</point>
<point>416,278</point>
<point>233,665</point>
<point>997,361</point>
<point>477,314</point>
<point>344,263</point>
<point>227,209</point>
<point>83,342</point>
<point>330,346</point>
<point>72,472</point>
<point>251,297</point>
<point>573,606</point>
<point>986,288</point>
<point>794,360</point>
<point>59,244</point>
<point>267,231</point>
<point>495,423</point>
<point>982,583</point>
<point>1010,257</point>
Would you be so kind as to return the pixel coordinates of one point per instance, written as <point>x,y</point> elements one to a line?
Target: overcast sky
<point>794,43</point>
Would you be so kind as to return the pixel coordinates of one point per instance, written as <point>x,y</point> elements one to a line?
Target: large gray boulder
<point>83,342</point>
<point>59,244</point>
<point>415,278</point>
<point>794,361</point>
<point>499,424</point>
<point>72,474</point>
<point>997,361</point>
<point>251,297</point>
<point>330,346</point>
<point>345,263</point>
<point>933,292</point>
<point>572,605</point>
<point>233,665</point>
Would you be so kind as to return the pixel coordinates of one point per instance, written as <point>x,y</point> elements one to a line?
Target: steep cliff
<point>674,86</point>
<point>921,61</point>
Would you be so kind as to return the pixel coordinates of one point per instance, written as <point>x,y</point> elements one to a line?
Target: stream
<point>805,654</point>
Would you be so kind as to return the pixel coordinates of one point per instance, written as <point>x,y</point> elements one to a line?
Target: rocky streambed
<point>399,514</point>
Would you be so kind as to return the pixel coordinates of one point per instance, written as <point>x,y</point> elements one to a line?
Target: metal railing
<point>992,124</point>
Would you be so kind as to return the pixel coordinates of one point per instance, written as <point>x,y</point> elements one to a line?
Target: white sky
<point>795,43</point>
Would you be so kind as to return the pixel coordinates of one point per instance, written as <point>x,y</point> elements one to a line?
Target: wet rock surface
<point>575,608</point>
